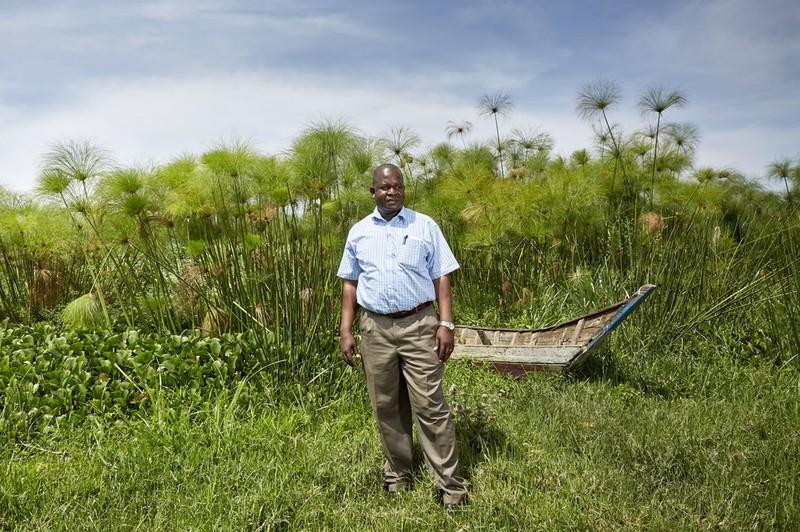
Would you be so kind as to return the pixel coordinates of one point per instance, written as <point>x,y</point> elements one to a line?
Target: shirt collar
<point>401,215</point>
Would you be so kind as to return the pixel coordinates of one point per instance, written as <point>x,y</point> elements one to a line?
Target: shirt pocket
<point>414,254</point>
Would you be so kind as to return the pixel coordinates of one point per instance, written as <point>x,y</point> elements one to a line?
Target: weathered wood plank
<point>530,355</point>
<point>577,333</point>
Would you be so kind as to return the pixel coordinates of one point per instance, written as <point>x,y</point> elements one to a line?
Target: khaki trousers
<point>404,376</point>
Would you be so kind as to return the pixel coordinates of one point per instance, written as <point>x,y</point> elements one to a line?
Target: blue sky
<point>153,80</point>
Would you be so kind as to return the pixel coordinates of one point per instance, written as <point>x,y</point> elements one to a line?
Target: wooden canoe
<point>558,348</point>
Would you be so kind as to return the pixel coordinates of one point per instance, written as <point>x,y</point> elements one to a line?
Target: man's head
<point>388,190</point>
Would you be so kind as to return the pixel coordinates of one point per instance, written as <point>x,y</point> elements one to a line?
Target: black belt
<point>407,313</point>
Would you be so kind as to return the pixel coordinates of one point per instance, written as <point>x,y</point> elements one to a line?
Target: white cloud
<point>736,43</point>
<point>151,80</point>
<point>161,118</point>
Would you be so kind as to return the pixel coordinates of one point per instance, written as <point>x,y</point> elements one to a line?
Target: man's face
<point>389,193</point>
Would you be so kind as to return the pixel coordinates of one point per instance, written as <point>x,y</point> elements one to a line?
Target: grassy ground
<point>632,441</point>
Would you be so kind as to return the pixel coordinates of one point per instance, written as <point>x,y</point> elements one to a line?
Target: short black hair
<point>388,166</point>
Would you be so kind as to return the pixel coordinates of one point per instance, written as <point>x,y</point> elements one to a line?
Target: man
<point>395,263</point>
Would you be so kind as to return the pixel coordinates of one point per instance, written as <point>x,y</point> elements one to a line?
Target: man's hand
<point>444,343</point>
<point>349,348</point>
<point>444,337</point>
<point>347,344</point>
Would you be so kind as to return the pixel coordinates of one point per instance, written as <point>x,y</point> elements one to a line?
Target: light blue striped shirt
<point>395,262</point>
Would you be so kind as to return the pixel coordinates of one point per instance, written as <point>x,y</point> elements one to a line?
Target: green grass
<point>689,421</point>
<point>621,445</point>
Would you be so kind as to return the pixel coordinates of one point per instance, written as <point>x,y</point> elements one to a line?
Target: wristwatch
<point>450,326</point>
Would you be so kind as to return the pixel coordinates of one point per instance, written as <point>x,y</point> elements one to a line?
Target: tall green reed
<point>226,243</point>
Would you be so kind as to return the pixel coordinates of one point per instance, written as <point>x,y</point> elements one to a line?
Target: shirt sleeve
<point>349,268</point>
<point>441,261</point>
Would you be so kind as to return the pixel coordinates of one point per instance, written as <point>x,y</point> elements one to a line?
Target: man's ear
<point>372,190</point>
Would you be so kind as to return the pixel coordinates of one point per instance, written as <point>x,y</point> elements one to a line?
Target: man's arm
<point>444,337</point>
<point>347,343</point>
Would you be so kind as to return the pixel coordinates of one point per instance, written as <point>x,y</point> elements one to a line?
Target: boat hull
<point>559,348</point>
